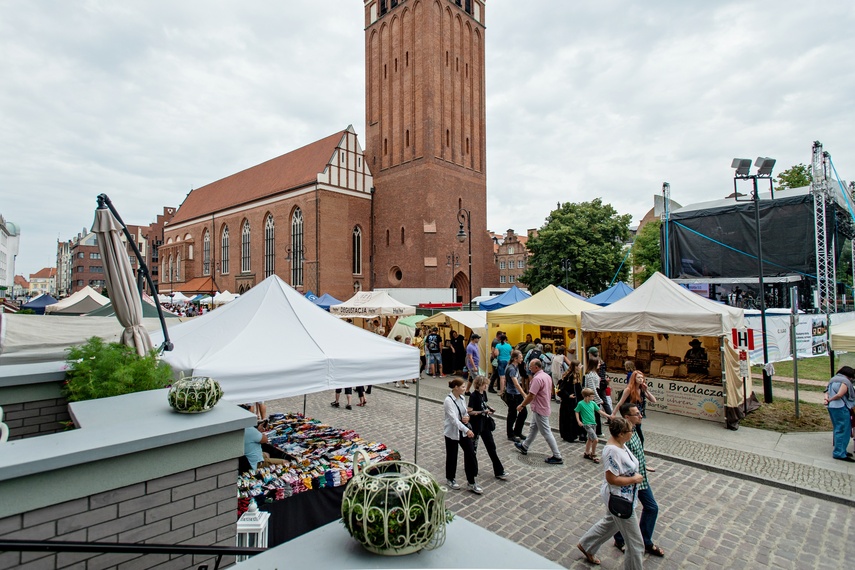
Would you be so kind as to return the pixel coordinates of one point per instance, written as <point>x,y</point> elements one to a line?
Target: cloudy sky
<point>144,100</point>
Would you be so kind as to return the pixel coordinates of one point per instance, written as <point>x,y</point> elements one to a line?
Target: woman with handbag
<point>458,433</point>
<point>619,495</point>
<point>483,424</point>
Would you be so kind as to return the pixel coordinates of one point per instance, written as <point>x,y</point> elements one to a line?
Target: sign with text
<point>702,401</point>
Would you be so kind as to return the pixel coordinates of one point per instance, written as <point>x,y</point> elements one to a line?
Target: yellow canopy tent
<point>843,336</point>
<point>550,307</point>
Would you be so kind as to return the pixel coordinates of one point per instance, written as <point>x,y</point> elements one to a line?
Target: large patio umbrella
<point>120,280</point>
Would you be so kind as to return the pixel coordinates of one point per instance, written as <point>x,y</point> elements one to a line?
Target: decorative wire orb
<point>194,394</point>
<point>394,507</point>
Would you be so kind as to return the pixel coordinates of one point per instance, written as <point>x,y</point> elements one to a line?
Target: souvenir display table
<point>305,492</point>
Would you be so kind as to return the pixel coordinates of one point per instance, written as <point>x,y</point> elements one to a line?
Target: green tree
<point>797,176</point>
<point>646,252</point>
<point>591,235</point>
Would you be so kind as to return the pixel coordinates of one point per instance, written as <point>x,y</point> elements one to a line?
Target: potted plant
<point>99,369</point>
<point>394,507</point>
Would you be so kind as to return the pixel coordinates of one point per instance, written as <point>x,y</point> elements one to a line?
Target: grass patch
<point>815,368</point>
<point>780,416</point>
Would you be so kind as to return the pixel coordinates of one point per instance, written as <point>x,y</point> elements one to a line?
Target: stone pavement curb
<point>780,467</point>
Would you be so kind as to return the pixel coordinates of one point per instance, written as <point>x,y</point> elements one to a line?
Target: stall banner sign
<point>701,401</point>
<point>743,338</point>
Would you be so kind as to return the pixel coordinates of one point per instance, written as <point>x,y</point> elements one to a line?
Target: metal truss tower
<point>825,265</point>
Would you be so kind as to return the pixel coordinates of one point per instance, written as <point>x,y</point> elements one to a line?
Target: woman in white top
<point>458,433</point>
<point>622,478</point>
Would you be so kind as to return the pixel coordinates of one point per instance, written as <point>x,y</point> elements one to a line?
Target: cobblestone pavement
<point>706,519</point>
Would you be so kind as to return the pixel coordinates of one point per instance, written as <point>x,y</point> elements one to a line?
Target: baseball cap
<point>593,350</point>
<point>475,335</point>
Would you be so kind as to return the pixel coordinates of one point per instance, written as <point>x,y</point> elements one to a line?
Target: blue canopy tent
<point>310,296</point>
<point>572,294</point>
<point>325,301</point>
<point>39,303</point>
<point>509,297</point>
<point>614,293</point>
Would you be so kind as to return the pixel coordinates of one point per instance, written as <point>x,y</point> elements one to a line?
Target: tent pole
<point>416,450</point>
<point>304,405</point>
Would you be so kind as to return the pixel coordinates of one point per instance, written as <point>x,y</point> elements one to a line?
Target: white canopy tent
<point>26,339</point>
<point>662,306</point>
<point>80,303</point>
<point>465,323</point>
<point>272,342</point>
<point>224,297</point>
<point>842,336</point>
<point>178,298</point>
<point>371,304</point>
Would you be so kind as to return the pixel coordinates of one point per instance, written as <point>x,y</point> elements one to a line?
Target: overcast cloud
<point>144,100</point>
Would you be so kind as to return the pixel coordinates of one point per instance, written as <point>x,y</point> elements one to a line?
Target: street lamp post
<point>764,170</point>
<point>566,264</point>
<point>464,215</point>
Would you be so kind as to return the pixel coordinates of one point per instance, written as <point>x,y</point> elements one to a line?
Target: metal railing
<point>128,548</point>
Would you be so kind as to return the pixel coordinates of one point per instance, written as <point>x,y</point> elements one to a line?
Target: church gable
<point>346,167</point>
<point>290,171</point>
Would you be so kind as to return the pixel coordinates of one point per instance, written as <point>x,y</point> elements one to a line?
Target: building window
<point>178,268</point>
<point>357,250</point>
<point>510,278</point>
<point>245,257</point>
<point>80,255</point>
<point>269,246</point>
<point>96,269</point>
<point>510,250</point>
<point>171,273</point>
<point>165,273</point>
<point>94,256</point>
<point>297,248</point>
<point>206,253</point>
<point>501,279</point>
<point>520,263</point>
<point>224,251</point>
<point>501,265</point>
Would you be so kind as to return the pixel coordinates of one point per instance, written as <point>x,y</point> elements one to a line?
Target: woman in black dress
<point>458,344</point>
<point>570,392</point>
<point>479,417</point>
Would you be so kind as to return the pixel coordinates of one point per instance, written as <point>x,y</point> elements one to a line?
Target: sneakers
<point>492,391</point>
<point>334,404</point>
<point>521,448</point>
<point>475,488</point>
<point>452,484</point>
<point>554,460</point>
<point>503,476</point>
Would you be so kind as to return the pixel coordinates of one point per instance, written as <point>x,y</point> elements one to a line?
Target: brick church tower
<point>425,143</point>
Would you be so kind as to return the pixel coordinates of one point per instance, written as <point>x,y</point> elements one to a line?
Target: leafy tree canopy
<point>591,235</point>
<point>794,177</point>
<point>646,252</point>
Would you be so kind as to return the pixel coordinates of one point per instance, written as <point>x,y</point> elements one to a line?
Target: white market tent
<point>27,339</point>
<point>80,303</point>
<point>662,306</point>
<point>474,321</point>
<point>224,297</point>
<point>842,336</point>
<point>178,298</point>
<point>367,304</point>
<point>272,343</point>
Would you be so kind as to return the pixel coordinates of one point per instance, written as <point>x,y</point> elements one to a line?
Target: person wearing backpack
<point>433,350</point>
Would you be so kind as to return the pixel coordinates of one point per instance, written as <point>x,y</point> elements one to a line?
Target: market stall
<point>549,315</point>
<point>80,303</point>
<point>272,343</point>
<point>464,323</point>
<point>679,339</point>
<point>506,299</point>
<point>304,492</point>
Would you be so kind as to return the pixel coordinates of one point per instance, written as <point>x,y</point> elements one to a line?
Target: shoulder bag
<point>620,507</point>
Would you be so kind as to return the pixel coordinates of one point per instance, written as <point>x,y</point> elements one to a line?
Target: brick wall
<point>40,417</point>
<point>197,506</point>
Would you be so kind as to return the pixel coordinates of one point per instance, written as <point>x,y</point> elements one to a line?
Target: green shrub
<point>26,312</point>
<point>99,370</point>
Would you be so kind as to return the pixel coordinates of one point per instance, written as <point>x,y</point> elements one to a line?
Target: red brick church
<point>332,218</point>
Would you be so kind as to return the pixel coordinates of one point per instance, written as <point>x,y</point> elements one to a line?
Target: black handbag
<point>490,423</point>
<point>620,507</point>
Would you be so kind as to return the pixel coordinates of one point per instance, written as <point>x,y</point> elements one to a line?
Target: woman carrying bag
<point>483,424</point>
<point>619,495</point>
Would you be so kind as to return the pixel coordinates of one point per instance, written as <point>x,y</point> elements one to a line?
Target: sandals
<point>590,557</point>
<point>654,550</point>
<point>593,458</point>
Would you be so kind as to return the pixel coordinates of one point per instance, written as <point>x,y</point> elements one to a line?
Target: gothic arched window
<point>269,246</point>
<point>297,248</point>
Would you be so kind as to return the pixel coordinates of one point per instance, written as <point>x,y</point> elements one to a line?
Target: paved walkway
<point>798,461</point>
<point>707,519</point>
